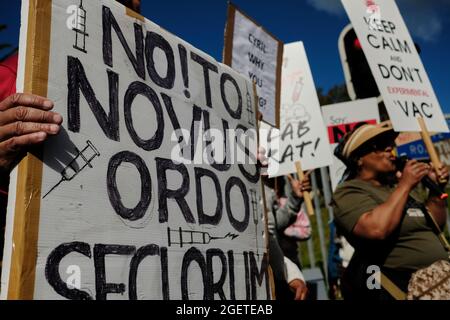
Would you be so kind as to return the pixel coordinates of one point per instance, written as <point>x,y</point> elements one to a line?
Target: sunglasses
<point>382,145</point>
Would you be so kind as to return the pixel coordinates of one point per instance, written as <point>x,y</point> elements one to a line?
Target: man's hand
<point>298,187</point>
<point>299,288</point>
<point>25,120</point>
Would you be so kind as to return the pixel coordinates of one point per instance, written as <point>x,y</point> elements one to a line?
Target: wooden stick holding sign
<point>429,144</point>
<point>306,194</point>
<point>263,195</point>
<point>255,95</point>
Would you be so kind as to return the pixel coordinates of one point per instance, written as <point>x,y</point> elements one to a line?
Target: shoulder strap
<point>439,232</point>
<point>390,287</point>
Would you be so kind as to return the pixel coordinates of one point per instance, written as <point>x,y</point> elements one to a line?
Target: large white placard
<point>139,197</point>
<point>395,64</point>
<point>303,135</point>
<point>341,118</point>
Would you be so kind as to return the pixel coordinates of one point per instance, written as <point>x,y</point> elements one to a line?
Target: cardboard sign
<point>254,52</point>
<point>137,197</point>
<point>341,118</point>
<point>302,135</point>
<point>395,64</point>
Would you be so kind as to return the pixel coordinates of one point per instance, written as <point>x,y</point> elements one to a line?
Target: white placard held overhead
<point>396,65</point>
<point>303,135</point>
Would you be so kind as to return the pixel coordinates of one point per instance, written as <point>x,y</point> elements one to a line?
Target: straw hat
<point>366,133</point>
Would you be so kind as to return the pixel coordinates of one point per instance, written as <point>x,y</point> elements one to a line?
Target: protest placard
<point>344,117</point>
<point>302,134</point>
<point>395,63</point>
<point>143,194</point>
<point>254,52</point>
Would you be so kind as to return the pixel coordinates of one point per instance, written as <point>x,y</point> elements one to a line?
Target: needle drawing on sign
<point>73,168</point>
<point>80,29</point>
<point>250,108</point>
<point>255,216</point>
<point>187,237</point>
<point>295,110</point>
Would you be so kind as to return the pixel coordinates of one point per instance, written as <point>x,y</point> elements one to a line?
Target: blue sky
<point>315,22</point>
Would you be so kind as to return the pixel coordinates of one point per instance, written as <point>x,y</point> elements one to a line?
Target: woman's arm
<point>380,222</point>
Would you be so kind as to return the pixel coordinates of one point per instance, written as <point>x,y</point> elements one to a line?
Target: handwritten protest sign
<point>341,118</point>
<point>269,140</point>
<point>302,135</point>
<point>254,52</point>
<point>395,64</point>
<point>143,194</point>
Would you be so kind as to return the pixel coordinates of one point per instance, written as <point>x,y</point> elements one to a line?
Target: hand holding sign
<point>306,195</point>
<point>430,147</point>
<point>25,120</point>
<point>439,174</point>
<point>300,186</point>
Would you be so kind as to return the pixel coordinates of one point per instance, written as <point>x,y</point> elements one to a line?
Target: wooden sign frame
<point>29,171</point>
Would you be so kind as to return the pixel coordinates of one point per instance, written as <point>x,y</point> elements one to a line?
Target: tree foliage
<point>337,93</point>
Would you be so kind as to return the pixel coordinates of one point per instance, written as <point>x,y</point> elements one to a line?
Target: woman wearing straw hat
<point>380,212</point>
